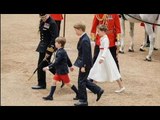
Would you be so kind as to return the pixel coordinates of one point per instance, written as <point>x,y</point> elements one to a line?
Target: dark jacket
<point>48,34</point>
<point>62,62</point>
<point>84,58</point>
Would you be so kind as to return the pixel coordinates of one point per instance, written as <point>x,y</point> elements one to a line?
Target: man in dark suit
<point>48,33</point>
<point>84,62</point>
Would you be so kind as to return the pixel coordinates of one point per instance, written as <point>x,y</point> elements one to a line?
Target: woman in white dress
<point>104,68</point>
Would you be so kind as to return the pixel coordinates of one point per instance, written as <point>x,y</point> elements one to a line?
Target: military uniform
<point>48,34</point>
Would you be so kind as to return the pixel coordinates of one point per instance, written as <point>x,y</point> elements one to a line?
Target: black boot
<point>50,96</point>
<point>76,91</point>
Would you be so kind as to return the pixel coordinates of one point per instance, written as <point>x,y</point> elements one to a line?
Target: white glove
<point>118,43</point>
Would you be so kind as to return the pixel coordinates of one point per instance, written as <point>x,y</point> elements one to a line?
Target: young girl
<point>61,64</point>
<point>104,68</point>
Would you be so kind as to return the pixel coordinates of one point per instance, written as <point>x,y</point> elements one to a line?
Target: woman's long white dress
<point>106,71</point>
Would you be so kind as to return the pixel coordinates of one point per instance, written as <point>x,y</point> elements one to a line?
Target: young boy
<point>84,62</point>
<point>61,64</point>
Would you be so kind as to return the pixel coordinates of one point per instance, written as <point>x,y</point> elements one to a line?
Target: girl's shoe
<point>120,90</point>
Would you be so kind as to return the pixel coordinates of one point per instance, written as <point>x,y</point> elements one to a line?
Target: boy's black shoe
<point>48,98</point>
<point>99,94</point>
<point>76,98</point>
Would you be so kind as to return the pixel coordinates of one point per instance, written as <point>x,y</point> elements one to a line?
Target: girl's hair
<point>102,28</point>
<point>61,40</point>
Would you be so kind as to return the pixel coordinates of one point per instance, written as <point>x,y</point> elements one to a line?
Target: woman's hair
<point>80,26</point>
<point>61,40</point>
<point>102,28</point>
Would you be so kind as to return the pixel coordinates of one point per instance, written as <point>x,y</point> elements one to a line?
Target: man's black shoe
<point>38,87</point>
<point>76,98</point>
<point>81,104</point>
<point>99,94</point>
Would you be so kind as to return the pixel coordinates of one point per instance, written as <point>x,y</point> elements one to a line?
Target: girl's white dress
<point>106,71</point>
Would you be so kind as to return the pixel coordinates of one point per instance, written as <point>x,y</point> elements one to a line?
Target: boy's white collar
<point>82,34</point>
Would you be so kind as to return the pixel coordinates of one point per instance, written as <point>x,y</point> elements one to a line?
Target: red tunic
<point>113,25</point>
<point>57,17</point>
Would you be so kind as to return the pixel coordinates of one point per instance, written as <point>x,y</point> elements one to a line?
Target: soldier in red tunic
<point>98,19</point>
<point>58,18</point>
<point>113,33</point>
